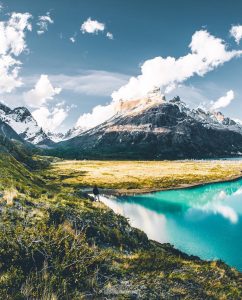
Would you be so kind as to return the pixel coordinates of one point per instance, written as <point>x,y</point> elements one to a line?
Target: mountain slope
<point>7,132</point>
<point>158,130</point>
<point>21,120</point>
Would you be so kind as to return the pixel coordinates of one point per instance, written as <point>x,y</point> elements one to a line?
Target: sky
<point>70,61</point>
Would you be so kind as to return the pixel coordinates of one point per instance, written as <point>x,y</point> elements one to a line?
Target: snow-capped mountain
<point>56,137</point>
<point>21,120</point>
<point>210,119</point>
<point>6,132</point>
<point>71,133</point>
<point>153,128</point>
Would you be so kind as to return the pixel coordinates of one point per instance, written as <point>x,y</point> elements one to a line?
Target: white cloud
<point>40,32</point>
<point>98,115</point>
<point>73,38</point>
<point>12,44</point>
<point>41,93</point>
<point>39,97</point>
<point>92,26</point>
<point>223,101</point>
<point>43,23</point>
<point>236,33</point>
<point>109,35</point>
<point>50,120</point>
<point>93,82</point>
<point>207,53</point>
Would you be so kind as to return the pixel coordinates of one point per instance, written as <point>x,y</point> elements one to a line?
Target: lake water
<point>205,221</point>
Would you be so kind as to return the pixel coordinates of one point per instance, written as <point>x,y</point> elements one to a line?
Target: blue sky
<point>97,65</point>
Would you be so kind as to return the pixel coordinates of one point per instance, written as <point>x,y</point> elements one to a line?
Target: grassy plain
<point>143,176</point>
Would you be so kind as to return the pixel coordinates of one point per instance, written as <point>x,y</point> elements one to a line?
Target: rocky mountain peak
<point>176,99</point>
<point>155,95</point>
<point>22,121</point>
<point>21,113</point>
<point>134,106</point>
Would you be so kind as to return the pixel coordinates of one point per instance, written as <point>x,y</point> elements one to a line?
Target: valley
<point>120,150</point>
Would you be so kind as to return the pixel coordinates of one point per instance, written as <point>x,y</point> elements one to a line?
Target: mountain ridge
<point>158,130</point>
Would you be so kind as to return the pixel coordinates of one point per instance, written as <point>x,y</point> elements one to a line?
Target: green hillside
<point>55,243</point>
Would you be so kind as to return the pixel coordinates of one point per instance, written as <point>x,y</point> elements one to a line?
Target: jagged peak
<point>21,120</point>
<point>155,94</point>
<point>176,99</point>
<point>137,105</point>
<point>22,111</point>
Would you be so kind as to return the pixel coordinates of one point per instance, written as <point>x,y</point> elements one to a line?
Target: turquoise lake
<point>205,221</point>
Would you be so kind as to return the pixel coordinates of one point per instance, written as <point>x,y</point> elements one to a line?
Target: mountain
<point>55,137</point>
<point>71,133</point>
<point>6,132</point>
<point>12,144</point>
<point>153,128</point>
<point>21,120</point>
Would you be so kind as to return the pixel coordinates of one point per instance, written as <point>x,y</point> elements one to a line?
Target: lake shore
<point>125,192</point>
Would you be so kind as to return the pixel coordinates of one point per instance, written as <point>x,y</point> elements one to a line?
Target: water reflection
<point>204,221</point>
<point>142,218</point>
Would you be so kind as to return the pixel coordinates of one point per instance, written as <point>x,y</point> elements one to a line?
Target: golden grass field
<point>143,176</point>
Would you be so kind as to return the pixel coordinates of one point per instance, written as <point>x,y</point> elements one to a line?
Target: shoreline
<point>132,192</point>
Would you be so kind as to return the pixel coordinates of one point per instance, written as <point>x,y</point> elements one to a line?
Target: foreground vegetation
<point>56,243</point>
<point>143,176</point>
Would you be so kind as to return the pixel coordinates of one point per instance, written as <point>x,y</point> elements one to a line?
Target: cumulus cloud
<point>236,33</point>
<point>207,53</point>
<point>41,93</point>
<point>223,101</point>
<point>50,119</point>
<point>43,22</point>
<point>39,98</point>
<point>92,26</point>
<point>109,35</point>
<point>98,115</point>
<point>12,44</point>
